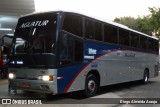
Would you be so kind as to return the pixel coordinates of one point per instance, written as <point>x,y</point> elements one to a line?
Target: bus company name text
<point>34,23</point>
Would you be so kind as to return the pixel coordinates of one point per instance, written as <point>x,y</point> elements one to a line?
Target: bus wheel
<point>91,85</point>
<point>145,77</point>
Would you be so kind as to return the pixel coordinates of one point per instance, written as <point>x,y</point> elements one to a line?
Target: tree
<point>128,21</point>
<point>144,25</point>
<point>155,20</point>
<point>149,24</point>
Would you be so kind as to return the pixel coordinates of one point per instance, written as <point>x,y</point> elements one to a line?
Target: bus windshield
<point>38,33</point>
<point>34,41</point>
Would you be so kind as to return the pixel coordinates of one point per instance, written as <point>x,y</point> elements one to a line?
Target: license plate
<point>25,85</point>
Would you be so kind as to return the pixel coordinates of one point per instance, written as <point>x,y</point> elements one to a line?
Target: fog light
<point>11,75</point>
<point>47,78</point>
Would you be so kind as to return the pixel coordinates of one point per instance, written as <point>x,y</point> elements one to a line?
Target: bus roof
<point>96,18</point>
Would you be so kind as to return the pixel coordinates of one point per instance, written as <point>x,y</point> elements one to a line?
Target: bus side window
<point>110,34</point>
<point>66,49</point>
<point>123,37</point>
<point>78,51</point>
<point>134,40</point>
<point>143,42</point>
<point>89,29</point>
<point>150,44</point>
<point>73,24</point>
<point>71,50</point>
<point>98,31</point>
<point>156,46</point>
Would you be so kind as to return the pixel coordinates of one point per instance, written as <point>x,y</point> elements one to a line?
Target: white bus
<point>65,52</point>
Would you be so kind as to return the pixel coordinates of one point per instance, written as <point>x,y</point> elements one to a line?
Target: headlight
<point>11,76</point>
<point>12,62</point>
<point>47,78</point>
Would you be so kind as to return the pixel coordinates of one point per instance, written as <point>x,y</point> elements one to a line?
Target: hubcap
<point>91,85</point>
<point>146,78</point>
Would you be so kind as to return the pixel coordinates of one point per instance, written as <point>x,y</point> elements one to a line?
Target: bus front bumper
<point>40,86</point>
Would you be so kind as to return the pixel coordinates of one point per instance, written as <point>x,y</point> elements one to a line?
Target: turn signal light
<point>47,78</point>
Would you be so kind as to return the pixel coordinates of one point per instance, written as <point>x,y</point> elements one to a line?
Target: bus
<point>5,48</point>
<point>67,51</point>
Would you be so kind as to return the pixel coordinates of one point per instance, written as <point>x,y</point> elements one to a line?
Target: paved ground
<point>126,90</point>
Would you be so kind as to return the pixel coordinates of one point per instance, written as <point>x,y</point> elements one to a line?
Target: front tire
<point>91,85</point>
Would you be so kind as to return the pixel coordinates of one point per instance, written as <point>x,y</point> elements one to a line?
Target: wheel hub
<point>146,78</point>
<point>91,85</point>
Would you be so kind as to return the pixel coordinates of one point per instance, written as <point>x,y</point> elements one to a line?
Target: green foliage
<point>155,20</point>
<point>144,25</point>
<point>149,24</point>
<point>128,21</point>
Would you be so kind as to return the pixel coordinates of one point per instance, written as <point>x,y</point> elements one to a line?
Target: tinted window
<point>71,49</point>
<point>123,37</point>
<point>89,29</point>
<point>38,32</point>
<point>143,42</point>
<point>66,49</point>
<point>78,50</point>
<point>73,24</point>
<point>110,34</point>
<point>98,31</point>
<point>20,49</point>
<point>156,46</point>
<point>134,39</point>
<point>150,44</point>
